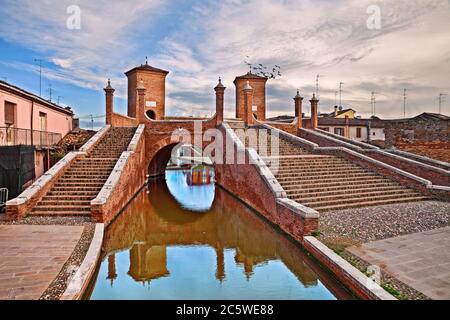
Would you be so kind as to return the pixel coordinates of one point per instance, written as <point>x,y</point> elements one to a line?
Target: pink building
<point>27,119</point>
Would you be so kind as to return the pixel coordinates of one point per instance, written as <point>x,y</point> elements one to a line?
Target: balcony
<point>10,136</point>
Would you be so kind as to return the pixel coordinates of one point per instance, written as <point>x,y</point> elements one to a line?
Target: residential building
<point>27,119</point>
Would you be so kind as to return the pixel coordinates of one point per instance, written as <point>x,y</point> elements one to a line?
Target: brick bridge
<point>314,172</point>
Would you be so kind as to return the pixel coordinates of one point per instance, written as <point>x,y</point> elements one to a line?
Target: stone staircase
<point>73,191</point>
<point>325,182</point>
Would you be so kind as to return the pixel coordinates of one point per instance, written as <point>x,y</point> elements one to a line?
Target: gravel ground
<point>59,284</point>
<point>69,221</point>
<point>343,228</point>
<point>353,226</point>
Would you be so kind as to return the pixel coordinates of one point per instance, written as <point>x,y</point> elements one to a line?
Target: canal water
<point>181,241</point>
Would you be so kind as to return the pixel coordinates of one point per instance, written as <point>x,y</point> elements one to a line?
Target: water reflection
<point>190,189</point>
<point>158,249</point>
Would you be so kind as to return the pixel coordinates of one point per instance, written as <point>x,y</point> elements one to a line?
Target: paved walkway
<point>32,256</point>
<point>420,260</point>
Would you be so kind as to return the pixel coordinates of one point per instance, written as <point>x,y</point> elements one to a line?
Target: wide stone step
<point>357,199</point>
<point>325,177</point>
<point>61,213</point>
<point>337,186</point>
<point>64,203</point>
<point>326,208</point>
<point>84,195</point>
<point>325,196</point>
<point>90,171</point>
<point>85,185</point>
<point>93,175</point>
<point>91,167</point>
<point>286,170</point>
<point>67,197</point>
<point>304,163</point>
<point>330,181</point>
<point>69,208</point>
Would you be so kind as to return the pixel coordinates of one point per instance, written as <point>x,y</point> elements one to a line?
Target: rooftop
<point>26,94</point>
<point>147,67</point>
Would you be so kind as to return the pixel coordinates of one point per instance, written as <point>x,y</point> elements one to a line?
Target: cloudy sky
<point>198,41</point>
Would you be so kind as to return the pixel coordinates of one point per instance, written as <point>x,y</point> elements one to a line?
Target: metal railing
<point>10,136</point>
<point>3,197</point>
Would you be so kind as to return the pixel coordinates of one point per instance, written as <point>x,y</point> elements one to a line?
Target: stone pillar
<point>220,92</point>
<point>109,93</point>
<point>314,120</point>
<point>347,127</point>
<point>248,104</point>
<point>298,109</point>
<point>141,102</point>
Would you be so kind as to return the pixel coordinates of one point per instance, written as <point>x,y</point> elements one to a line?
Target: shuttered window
<point>10,110</point>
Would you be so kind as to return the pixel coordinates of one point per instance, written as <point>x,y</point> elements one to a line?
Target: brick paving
<point>420,260</point>
<point>32,257</point>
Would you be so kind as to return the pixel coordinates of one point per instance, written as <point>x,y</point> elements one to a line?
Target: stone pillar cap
<point>109,87</point>
<point>314,99</point>
<point>220,85</point>
<point>248,86</point>
<point>298,96</point>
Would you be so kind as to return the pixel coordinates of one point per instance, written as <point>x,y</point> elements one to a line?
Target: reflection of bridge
<point>156,221</point>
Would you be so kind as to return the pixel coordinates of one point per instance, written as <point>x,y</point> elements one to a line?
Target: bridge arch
<point>159,154</point>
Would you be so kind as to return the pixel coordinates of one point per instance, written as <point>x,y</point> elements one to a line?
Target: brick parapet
<point>119,120</point>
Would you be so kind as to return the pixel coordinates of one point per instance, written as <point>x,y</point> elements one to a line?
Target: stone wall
<point>422,135</point>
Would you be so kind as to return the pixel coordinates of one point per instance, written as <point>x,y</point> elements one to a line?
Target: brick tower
<point>154,81</point>
<point>258,84</point>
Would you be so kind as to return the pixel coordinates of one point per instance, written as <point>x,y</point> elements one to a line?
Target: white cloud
<point>305,37</point>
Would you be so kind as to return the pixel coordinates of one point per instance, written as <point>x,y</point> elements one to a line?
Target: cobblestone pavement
<point>32,256</point>
<point>420,260</point>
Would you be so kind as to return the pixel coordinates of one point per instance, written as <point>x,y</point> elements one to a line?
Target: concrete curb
<point>81,279</point>
<point>358,282</point>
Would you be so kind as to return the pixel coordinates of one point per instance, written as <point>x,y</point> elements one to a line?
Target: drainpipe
<point>31,122</point>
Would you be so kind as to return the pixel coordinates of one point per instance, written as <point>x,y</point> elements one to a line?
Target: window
<point>151,114</point>
<point>358,132</point>
<point>325,129</point>
<point>339,131</point>
<point>10,113</point>
<point>43,121</point>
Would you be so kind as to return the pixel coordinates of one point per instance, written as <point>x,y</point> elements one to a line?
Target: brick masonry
<point>424,135</point>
